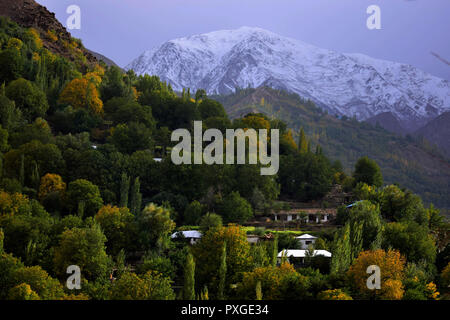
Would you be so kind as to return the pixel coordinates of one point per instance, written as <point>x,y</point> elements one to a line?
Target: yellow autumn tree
<point>22,291</point>
<point>34,35</point>
<point>276,283</point>
<point>303,143</point>
<point>207,255</point>
<point>289,139</point>
<point>256,122</point>
<point>15,43</point>
<point>335,294</point>
<point>83,93</point>
<point>51,183</point>
<point>11,204</point>
<point>391,264</point>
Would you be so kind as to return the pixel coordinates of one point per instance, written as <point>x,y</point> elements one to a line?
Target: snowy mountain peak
<point>343,84</point>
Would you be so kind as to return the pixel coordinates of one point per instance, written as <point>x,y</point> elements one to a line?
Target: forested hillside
<point>81,185</point>
<point>411,162</point>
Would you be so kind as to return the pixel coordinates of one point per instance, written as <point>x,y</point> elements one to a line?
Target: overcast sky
<point>411,29</point>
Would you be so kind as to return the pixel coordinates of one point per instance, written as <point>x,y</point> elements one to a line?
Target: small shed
<point>306,240</point>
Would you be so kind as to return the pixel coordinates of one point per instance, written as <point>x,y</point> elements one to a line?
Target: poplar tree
<point>22,170</point>
<point>136,197</point>
<point>35,178</point>
<point>189,278</point>
<point>356,239</point>
<point>341,259</point>
<point>303,142</point>
<point>275,251</point>
<point>1,165</point>
<point>222,273</point>
<point>2,237</point>
<point>124,189</point>
<point>258,291</point>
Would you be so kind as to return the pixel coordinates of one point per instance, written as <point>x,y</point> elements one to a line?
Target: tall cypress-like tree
<point>189,278</point>
<point>136,197</point>
<point>2,237</point>
<point>356,239</point>
<point>258,291</point>
<point>124,190</point>
<point>342,252</point>
<point>303,144</point>
<point>22,170</point>
<point>1,165</point>
<point>222,273</point>
<point>35,178</point>
<point>274,255</point>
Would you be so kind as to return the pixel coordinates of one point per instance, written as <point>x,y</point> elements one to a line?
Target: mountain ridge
<point>343,84</point>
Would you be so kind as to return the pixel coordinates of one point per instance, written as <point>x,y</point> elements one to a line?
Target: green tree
<point>113,84</point>
<point>235,208</point>
<point>368,171</point>
<point>12,65</point>
<point>118,227</point>
<point>222,273</point>
<point>368,214</point>
<point>124,190</point>
<point>152,286</point>
<point>342,251</point>
<point>200,94</point>
<point>210,221</point>
<point>274,256</point>
<point>8,264</point>
<point>131,137</point>
<point>28,98</point>
<point>399,205</point>
<point>83,190</point>
<point>412,240</point>
<point>193,213</point>
<point>210,108</point>
<point>153,261</point>
<point>208,253</point>
<point>303,144</point>
<point>155,225</point>
<point>83,247</point>
<point>136,197</point>
<point>189,278</point>
<point>10,115</point>
<point>22,292</point>
<point>46,287</point>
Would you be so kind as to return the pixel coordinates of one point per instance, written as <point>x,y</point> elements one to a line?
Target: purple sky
<point>411,29</point>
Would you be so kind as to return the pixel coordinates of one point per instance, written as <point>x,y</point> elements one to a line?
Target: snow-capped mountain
<point>344,84</point>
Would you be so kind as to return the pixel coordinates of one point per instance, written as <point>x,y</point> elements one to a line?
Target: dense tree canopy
<point>86,179</point>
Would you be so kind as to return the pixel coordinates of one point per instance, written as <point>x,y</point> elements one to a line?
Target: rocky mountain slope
<point>343,84</point>
<point>55,37</point>
<point>437,132</point>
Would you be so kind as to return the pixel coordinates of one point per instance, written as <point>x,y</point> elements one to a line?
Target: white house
<point>306,240</point>
<point>311,215</point>
<point>193,236</point>
<point>301,254</point>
